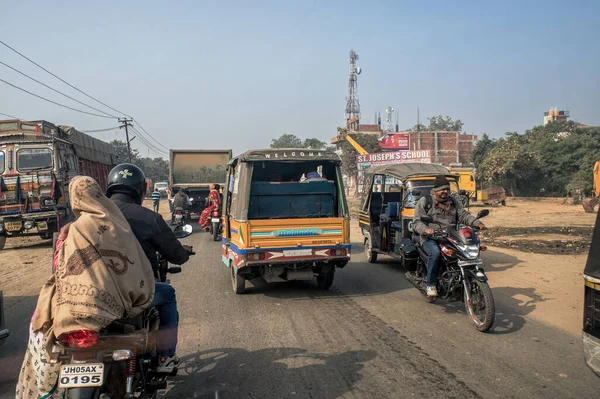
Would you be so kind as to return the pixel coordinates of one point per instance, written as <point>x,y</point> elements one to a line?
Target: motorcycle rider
<point>126,188</point>
<point>181,199</point>
<point>446,211</point>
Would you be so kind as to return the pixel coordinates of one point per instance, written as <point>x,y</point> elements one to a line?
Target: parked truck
<point>467,182</point>
<point>37,160</point>
<point>194,171</point>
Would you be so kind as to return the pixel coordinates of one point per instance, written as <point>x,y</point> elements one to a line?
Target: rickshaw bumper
<point>591,351</point>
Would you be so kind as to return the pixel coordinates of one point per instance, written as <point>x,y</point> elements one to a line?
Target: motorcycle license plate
<point>12,226</point>
<point>178,217</point>
<point>81,375</point>
<point>216,220</point>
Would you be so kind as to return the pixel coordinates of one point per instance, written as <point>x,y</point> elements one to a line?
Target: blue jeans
<point>433,261</point>
<point>165,302</point>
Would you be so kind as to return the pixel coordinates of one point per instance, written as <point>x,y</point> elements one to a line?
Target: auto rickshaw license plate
<point>81,375</point>
<point>42,225</point>
<point>12,226</point>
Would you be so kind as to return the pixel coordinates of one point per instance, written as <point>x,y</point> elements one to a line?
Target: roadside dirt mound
<point>541,240</point>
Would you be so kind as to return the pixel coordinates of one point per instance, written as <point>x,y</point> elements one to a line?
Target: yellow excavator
<point>590,203</point>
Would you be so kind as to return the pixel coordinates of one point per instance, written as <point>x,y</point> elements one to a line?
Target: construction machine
<point>590,203</point>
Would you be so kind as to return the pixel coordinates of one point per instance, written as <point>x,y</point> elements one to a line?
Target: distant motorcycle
<point>215,224</point>
<point>121,360</point>
<point>460,276</point>
<point>180,217</point>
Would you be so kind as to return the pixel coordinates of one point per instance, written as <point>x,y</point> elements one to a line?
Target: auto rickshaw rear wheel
<point>238,283</point>
<point>371,255</point>
<point>325,279</point>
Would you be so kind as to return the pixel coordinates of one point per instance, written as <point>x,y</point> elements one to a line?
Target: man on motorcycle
<point>181,200</point>
<point>446,211</point>
<point>126,188</point>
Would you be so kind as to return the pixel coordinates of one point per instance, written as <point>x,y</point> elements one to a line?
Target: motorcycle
<point>460,276</point>
<point>215,224</point>
<point>180,217</point>
<point>121,360</point>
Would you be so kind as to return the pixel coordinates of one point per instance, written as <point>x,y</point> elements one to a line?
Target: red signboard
<point>395,141</point>
<point>394,157</point>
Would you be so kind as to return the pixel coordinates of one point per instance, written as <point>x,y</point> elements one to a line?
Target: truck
<point>195,170</point>
<point>37,161</point>
<point>467,182</point>
<point>590,203</point>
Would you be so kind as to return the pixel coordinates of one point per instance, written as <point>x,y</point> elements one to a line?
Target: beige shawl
<point>102,273</point>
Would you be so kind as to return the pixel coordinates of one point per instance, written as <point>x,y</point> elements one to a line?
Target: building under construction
<point>446,148</point>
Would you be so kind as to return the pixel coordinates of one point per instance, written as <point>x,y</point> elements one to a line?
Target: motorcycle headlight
<point>469,251</point>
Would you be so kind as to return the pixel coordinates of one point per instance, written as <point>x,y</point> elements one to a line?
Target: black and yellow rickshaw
<point>392,191</point>
<point>591,306</point>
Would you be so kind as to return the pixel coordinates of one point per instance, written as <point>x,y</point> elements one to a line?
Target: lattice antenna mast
<point>352,104</point>
<point>388,119</point>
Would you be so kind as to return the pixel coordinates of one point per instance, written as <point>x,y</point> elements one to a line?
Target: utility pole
<point>126,123</point>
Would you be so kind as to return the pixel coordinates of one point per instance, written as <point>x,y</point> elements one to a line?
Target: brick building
<point>446,147</point>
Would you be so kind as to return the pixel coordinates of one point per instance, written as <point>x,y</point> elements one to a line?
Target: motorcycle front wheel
<point>480,308</point>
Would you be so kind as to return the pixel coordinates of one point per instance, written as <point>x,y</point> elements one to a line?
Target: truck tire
<point>371,255</point>
<point>2,242</point>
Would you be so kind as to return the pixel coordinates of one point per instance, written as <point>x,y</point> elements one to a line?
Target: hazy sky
<point>235,74</point>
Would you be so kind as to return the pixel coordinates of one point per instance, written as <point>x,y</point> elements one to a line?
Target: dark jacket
<point>441,218</point>
<point>151,231</point>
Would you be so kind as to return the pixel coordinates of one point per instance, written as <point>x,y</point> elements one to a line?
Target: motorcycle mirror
<point>426,219</point>
<point>482,213</point>
<point>183,231</point>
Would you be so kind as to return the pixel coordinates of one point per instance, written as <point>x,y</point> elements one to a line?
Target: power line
<point>10,116</point>
<point>101,130</point>
<point>141,127</point>
<point>81,91</point>
<point>62,80</point>
<point>148,144</point>
<point>53,89</point>
<point>54,102</point>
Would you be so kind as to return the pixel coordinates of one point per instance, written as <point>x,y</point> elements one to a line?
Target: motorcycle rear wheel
<point>481,309</point>
<point>215,231</point>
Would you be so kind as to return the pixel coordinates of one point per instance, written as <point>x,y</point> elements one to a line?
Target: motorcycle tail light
<point>178,213</point>
<point>79,339</point>
<point>215,214</point>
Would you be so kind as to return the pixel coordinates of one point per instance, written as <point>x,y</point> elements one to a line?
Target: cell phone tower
<point>352,104</point>
<point>388,119</point>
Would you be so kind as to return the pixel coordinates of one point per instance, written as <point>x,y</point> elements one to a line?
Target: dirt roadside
<point>546,287</point>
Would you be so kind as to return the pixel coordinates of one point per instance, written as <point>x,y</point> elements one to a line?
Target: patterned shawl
<point>102,274</point>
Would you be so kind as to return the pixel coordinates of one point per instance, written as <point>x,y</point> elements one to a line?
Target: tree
<point>156,169</point>
<point>286,141</point>
<point>314,144</point>
<point>121,151</point>
<point>481,150</point>
<point>444,123</point>
<point>292,141</point>
<point>419,127</point>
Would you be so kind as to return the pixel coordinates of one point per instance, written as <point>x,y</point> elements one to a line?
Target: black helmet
<point>126,178</point>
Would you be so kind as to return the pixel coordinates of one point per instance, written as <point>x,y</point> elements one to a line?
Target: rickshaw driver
<point>445,211</point>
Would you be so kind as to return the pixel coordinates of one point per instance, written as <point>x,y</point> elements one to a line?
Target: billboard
<point>395,141</point>
<point>393,157</point>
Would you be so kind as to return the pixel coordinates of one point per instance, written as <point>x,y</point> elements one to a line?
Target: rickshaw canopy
<point>406,170</point>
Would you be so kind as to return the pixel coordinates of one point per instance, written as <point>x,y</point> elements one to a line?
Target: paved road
<point>371,335</point>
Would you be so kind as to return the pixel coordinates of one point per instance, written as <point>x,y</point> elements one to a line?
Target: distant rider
<point>126,188</point>
<point>181,199</point>
<point>214,202</point>
<point>446,211</point>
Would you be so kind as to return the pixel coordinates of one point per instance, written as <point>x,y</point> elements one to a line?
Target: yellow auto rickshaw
<point>285,217</point>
